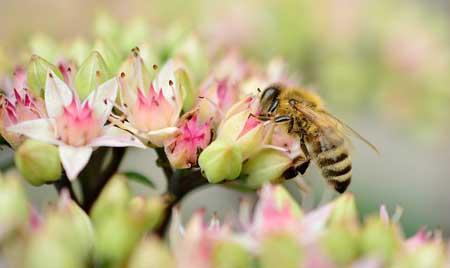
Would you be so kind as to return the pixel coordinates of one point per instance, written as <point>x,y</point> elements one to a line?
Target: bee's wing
<point>329,124</point>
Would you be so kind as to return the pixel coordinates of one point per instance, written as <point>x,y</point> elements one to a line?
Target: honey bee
<point>324,139</point>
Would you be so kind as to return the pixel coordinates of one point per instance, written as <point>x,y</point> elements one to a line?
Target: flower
<point>221,89</point>
<point>193,136</point>
<point>76,127</point>
<point>18,105</point>
<point>152,109</point>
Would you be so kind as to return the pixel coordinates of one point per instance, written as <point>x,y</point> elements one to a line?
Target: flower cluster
<point>211,124</point>
<point>273,232</point>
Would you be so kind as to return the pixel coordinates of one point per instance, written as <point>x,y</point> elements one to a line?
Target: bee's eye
<point>268,96</point>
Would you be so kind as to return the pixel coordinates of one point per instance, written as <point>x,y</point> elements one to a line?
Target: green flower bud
<point>37,70</point>
<point>151,253</point>
<point>13,205</point>
<point>110,55</point>
<point>38,162</point>
<point>116,237</point>
<point>115,196</point>
<point>340,244</point>
<point>427,255</point>
<point>71,226</point>
<point>92,72</point>
<point>267,165</point>
<point>345,213</point>
<point>220,161</point>
<point>232,131</point>
<point>230,254</point>
<point>280,250</point>
<point>44,251</point>
<point>146,214</point>
<point>188,91</point>
<point>379,239</point>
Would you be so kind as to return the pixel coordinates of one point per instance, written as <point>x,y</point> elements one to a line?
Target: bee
<point>324,139</point>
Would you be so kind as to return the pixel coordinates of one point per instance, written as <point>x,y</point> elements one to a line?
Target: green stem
<point>163,162</point>
<point>179,185</point>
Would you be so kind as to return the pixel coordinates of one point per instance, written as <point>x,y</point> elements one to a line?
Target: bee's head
<point>269,99</point>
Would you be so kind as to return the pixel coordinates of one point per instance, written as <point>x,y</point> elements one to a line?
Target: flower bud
<point>115,196</point>
<point>221,161</point>
<point>115,237</point>
<point>38,162</point>
<point>340,244</point>
<point>71,226</point>
<point>428,255</point>
<point>187,90</point>
<point>266,166</point>
<point>281,250</point>
<point>44,251</point>
<point>193,136</point>
<point>345,213</point>
<point>109,54</point>
<point>146,214</point>
<point>230,254</point>
<point>151,253</point>
<point>379,239</point>
<point>92,72</point>
<point>13,205</point>
<point>37,74</point>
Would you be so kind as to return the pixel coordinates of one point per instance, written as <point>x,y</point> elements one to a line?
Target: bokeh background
<point>383,66</point>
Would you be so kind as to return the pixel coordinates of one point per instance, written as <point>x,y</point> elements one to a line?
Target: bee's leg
<point>291,126</point>
<point>273,106</point>
<point>262,117</point>
<point>304,166</point>
<point>282,119</point>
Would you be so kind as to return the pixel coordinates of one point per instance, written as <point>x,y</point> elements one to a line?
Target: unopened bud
<point>379,239</point>
<point>221,161</point>
<point>13,205</point>
<point>151,253</point>
<point>230,254</point>
<point>266,166</point>
<point>188,91</point>
<point>281,250</point>
<point>38,162</point>
<point>37,74</point>
<point>92,72</point>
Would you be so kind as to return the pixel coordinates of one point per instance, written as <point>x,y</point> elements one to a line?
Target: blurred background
<point>382,66</point>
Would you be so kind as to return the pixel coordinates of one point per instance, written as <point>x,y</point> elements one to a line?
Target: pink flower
<point>152,110</point>
<point>221,89</point>
<point>76,127</point>
<point>193,136</point>
<point>18,105</point>
<point>193,246</point>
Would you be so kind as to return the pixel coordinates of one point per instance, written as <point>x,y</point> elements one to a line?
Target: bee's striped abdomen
<point>333,159</point>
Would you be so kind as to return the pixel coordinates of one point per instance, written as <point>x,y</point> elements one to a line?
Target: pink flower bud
<point>193,136</point>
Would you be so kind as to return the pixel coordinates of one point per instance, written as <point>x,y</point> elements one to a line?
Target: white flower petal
<point>74,159</point>
<point>39,129</point>
<point>166,82</point>
<point>157,137</point>
<point>102,99</point>
<point>57,95</point>
<point>116,137</point>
